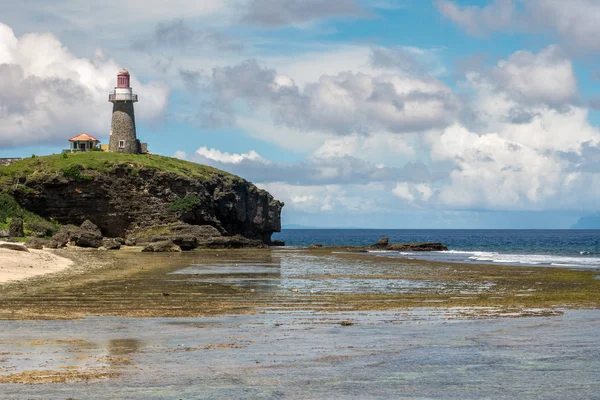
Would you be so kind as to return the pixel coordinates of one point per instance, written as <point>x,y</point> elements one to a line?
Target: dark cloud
<point>341,104</point>
<point>179,35</point>
<point>479,21</point>
<point>574,22</point>
<point>174,33</point>
<point>398,59</point>
<point>276,13</point>
<point>587,160</point>
<point>191,79</point>
<point>320,171</point>
<point>594,103</point>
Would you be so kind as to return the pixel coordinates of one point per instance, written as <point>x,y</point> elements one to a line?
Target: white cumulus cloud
<point>47,94</point>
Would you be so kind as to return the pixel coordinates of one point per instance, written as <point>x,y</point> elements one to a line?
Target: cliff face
<point>125,196</point>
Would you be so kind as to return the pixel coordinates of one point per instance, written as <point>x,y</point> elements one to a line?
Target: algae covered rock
<point>162,247</point>
<point>14,247</point>
<point>382,243</point>
<point>63,236</point>
<point>36,243</point>
<point>232,242</point>
<point>111,244</point>
<point>89,236</point>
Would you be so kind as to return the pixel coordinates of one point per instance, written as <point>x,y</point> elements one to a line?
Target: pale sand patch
<point>17,265</point>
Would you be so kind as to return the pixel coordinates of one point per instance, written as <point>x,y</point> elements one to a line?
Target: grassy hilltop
<point>87,164</point>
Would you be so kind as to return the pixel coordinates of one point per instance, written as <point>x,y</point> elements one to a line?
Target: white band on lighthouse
<point>123,94</point>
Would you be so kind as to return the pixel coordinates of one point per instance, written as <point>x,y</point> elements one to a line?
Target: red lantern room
<point>123,79</point>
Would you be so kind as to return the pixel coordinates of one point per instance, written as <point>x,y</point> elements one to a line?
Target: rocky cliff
<point>121,193</point>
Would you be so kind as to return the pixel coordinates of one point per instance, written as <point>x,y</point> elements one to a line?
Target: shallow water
<point>307,355</point>
<point>287,351</point>
<point>318,274</point>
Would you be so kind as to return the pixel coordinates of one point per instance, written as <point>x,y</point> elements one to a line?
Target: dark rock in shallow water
<point>89,236</point>
<point>162,247</point>
<point>186,236</point>
<point>418,247</point>
<point>315,246</point>
<point>277,243</point>
<point>14,246</point>
<point>111,244</point>
<point>189,237</point>
<point>383,242</point>
<point>232,242</point>
<point>15,228</point>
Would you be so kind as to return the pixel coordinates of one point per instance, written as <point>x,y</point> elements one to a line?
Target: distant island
<point>588,222</point>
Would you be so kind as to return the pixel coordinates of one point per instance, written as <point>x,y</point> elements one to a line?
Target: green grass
<point>58,165</point>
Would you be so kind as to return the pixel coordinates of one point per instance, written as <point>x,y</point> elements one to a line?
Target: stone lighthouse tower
<point>123,137</point>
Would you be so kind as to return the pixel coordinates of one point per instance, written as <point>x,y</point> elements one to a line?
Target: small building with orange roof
<point>83,142</point>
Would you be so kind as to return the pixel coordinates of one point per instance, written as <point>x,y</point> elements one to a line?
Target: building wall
<point>123,128</point>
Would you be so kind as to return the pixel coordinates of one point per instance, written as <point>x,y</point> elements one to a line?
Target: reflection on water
<point>120,347</point>
<point>304,273</point>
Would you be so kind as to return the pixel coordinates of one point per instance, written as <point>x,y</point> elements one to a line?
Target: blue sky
<point>388,113</point>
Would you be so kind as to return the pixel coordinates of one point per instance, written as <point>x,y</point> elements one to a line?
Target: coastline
<point>128,283</point>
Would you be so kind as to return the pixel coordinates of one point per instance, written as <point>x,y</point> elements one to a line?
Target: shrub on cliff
<point>40,227</point>
<point>34,224</point>
<point>184,204</point>
<point>74,172</point>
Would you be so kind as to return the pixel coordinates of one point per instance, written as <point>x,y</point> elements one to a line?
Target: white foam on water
<point>510,259</point>
<point>537,259</point>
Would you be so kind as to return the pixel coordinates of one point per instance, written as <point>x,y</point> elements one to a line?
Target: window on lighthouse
<point>121,144</point>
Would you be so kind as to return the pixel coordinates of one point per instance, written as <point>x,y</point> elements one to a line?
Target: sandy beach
<point>18,265</point>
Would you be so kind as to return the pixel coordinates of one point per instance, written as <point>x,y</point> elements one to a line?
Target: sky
<point>355,113</point>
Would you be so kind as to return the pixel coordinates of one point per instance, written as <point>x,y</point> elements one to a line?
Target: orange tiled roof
<point>83,136</point>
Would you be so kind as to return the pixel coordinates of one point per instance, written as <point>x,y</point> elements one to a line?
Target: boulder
<point>428,246</point>
<point>89,236</point>
<point>130,242</point>
<point>315,246</point>
<point>36,243</point>
<point>63,236</point>
<point>111,244</point>
<point>382,243</point>
<point>3,233</point>
<point>232,242</point>
<point>162,247</point>
<point>13,246</point>
<point>15,228</point>
<point>186,236</point>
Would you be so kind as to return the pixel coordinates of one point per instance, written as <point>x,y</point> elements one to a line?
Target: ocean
<point>560,248</point>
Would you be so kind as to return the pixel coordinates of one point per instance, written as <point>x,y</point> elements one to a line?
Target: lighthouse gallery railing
<point>123,97</point>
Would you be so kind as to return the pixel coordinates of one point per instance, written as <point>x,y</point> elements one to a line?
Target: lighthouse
<point>123,137</point>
